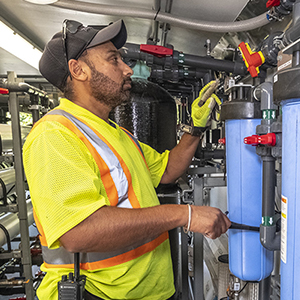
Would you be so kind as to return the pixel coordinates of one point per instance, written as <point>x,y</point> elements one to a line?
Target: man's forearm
<point>180,158</point>
<point>113,228</point>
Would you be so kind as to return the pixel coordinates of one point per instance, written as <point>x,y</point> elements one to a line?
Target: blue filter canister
<point>248,259</point>
<point>290,210</point>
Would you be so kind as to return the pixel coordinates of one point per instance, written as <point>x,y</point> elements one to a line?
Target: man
<point>92,184</point>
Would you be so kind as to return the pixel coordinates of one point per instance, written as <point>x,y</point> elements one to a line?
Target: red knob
<point>252,140</point>
<point>268,139</point>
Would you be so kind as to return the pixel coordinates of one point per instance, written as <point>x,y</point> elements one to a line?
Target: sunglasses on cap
<point>72,27</point>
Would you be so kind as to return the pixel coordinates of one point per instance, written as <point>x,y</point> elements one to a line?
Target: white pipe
<point>103,9</point>
<point>11,222</point>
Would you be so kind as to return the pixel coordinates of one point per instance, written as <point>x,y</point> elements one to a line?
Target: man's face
<point>110,81</point>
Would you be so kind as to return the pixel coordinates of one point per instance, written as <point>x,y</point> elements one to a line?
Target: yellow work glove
<point>202,108</point>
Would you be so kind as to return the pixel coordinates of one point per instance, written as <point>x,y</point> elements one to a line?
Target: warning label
<point>284,203</point>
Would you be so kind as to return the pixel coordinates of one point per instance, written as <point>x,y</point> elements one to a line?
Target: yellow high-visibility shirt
<point>66,187</point>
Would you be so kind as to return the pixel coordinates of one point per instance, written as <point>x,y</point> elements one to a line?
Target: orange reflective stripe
<point>130,134</point>
<point>119,259</point>
<point>130,255</point>
<point>107,180</point>
<point>131,194</point>
<point>40,230</point>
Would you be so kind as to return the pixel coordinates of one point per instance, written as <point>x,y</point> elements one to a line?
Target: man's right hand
<point>209,221</point>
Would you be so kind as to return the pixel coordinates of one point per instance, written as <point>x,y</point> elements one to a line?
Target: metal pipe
<point>12,224</point>
<point>154,35</point>
<point>102,9</point>
<point>20,189</point>
<point>21,87</point>
<point>166,26</point>
<point>6,137</point>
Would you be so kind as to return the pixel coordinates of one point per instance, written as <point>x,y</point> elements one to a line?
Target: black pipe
<point>269,237</point>
<point>132,51</point>
<point>268,189</point>
<point>175,73</point>
<point>265,288</point>
<point>210,63</point>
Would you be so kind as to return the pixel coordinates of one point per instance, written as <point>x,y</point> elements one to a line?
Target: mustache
<point>127,80</point>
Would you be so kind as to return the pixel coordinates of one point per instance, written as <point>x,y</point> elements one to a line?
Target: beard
<point>106,90</point>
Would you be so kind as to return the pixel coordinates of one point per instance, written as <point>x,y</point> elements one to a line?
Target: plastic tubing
<point>102,9</point>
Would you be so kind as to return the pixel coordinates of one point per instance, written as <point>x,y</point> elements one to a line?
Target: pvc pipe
<point>11,222</point>
<point>102,9</point>
<point>132,51</point>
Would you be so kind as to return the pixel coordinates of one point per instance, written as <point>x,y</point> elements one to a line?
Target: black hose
<point>7,237</point>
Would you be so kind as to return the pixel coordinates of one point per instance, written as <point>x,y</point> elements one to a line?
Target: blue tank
<point>248,259</point>
<point>290,210</point>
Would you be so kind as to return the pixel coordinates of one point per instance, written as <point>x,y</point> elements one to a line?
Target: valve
<point>251,140</point>
<point>4,91</point>
<point>252,59</point>
<point>222,141</point>
<point>272,3</point>
<point>155,50</point>
<point>268,139</point>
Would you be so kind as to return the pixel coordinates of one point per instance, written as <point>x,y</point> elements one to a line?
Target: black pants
<point>89,296</point>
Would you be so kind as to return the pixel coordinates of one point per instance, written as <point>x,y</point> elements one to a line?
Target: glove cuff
<point>192,130</point>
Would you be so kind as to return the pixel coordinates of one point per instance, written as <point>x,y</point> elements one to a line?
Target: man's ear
<point>78,70</point>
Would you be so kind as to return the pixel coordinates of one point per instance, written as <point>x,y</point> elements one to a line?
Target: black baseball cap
<point>72,43</point>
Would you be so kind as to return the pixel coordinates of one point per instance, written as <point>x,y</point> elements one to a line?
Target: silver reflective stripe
<point>60,256</point>
<point>115,168</point>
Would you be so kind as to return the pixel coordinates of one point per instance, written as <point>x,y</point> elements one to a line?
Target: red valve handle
<point>252,59</point>
<point>272,3</point>
<point>4,91</point>
<point>268,139</point>
<point>251,140</point>
<point>158,51</point>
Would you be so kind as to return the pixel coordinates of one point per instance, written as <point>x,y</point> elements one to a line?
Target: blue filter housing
<point>290,210</point>
<point>248,259</point>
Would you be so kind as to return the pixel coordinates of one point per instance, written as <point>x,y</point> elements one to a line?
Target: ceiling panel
<point>39,22</point>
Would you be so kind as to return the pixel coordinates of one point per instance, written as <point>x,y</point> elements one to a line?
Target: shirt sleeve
<point>64,180</point>
<point>157,162</point>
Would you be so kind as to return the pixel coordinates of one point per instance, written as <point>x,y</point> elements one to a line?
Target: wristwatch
<point>194,131</point>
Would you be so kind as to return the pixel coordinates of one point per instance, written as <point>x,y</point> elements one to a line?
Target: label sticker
<point>283,250</point>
